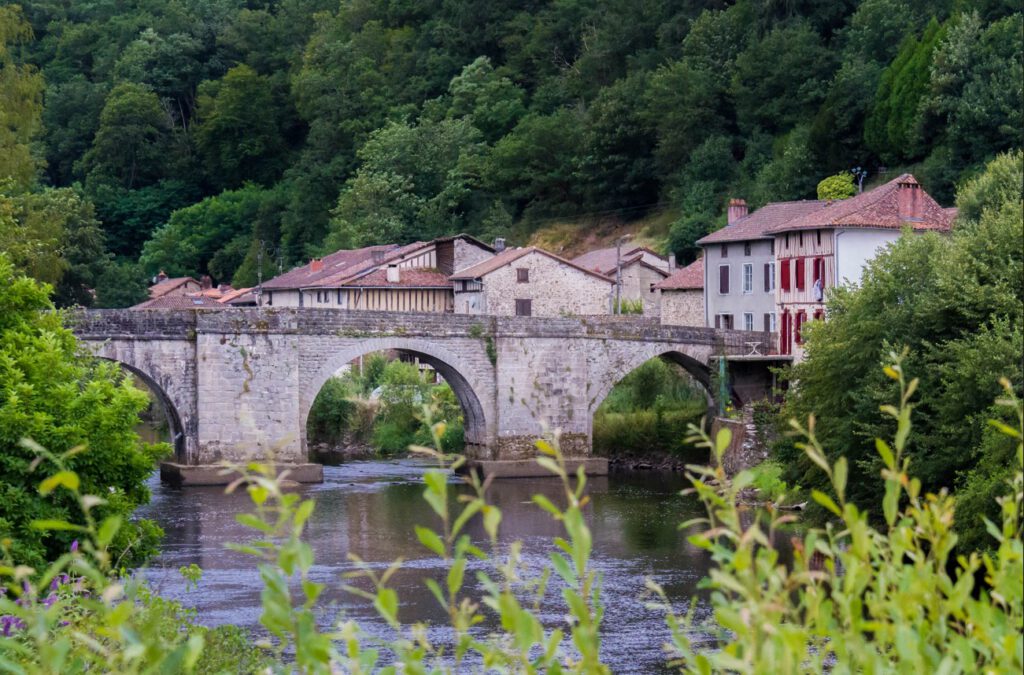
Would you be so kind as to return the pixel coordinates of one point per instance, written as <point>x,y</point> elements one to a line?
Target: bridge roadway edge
<point>530,375</point>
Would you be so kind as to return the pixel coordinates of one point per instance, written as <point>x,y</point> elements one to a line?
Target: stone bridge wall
<point>243,381</point>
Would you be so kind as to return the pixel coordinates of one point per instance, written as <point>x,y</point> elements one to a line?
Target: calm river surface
<point>369,508</point>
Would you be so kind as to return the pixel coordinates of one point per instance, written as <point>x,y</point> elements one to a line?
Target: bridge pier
<point>241,382</point>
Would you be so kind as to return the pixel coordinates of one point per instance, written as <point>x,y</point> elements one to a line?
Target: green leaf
<point>386,604</point>
<point>430,539</point>
<point>839,475</point>
<point>56,525</point>
<point>886,453</point>
<point>108,530</point>
<point>68,479</point>
<point>826,501</point>
<point>250,520</point>
<point>455,575</point>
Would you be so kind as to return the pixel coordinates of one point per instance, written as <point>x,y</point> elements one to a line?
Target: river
<point>370,507</point>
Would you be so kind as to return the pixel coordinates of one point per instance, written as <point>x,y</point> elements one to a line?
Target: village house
<point>682,296</point>
<point>739,267</point>
<point>199,295</point>
<point>833,244</point>
<point>531,282</point>
<point>641,269</point>
<point>410,278</point>
<point>162,285</point>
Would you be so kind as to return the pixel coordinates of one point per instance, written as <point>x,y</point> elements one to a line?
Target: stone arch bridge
<point>238,384</point>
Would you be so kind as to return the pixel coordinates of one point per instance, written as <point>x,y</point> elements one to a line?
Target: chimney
<point>205,282</point>
<point>162,276</point>
<point>394,276</point>
<point>316,265</point>
<point>499,244</point>
<point>737,209</point>
<point>908,199</point>
<point>671,262</point>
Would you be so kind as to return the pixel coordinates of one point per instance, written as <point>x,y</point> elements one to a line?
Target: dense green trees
<point>957,303</point>
<point>53,394</point>
<point>370,121</point>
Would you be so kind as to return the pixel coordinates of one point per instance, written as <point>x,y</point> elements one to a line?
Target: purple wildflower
<point>74,546</point>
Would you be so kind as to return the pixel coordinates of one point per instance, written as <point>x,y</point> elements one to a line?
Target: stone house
<point>163,285</point>
<point>682,296</point>
<point>531,282</point>
<point>641,269</point>
<point>410,278</point>
<point>739,269</point>
<point>832,245</point>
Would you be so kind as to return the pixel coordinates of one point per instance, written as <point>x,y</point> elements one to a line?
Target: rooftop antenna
<point>860,174</point>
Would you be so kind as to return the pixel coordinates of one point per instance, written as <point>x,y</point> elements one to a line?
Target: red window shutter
<point>800,273</point>
<point>784,333</point>
<point>819,314</point>
<point>819,271</point>
<point>723,279</point>
<point>785,274</point>
<point>767,278</point>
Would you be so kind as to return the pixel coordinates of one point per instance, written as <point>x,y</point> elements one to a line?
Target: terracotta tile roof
<point>232,295</point>
<point>190,301</point>
<point>877,208</point>
<point>508,256</point>
<point>413,277</point>
<point>603,259</point>
<point>167,285</point>
<point>757,224</point>
<point>690,277</point>
<point>343,263</point>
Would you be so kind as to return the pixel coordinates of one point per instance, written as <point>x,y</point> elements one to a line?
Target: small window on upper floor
<point>771,244</point>
<point>819,237</point>
<point>725,250</point>
<point>522,275</point>
<point>524,307</point>
<point>801,238</point>
<point>746,248</point>
<point>787,241</point>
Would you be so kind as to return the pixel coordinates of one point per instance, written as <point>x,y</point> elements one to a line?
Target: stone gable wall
<point>555,289</point>
<point>682,307</point>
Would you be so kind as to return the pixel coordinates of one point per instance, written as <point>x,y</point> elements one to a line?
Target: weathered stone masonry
<point>240,383</point>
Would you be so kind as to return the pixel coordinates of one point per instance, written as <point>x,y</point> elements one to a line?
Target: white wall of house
<point>855,247</point>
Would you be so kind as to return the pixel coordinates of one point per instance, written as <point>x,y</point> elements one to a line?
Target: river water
<point>370,507</point>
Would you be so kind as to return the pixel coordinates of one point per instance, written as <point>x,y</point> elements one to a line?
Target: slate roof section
<point>687,278</point>
<point>167,285</point>
<point>757,225</point>
<point>509,256</point>
<point>877,208</point>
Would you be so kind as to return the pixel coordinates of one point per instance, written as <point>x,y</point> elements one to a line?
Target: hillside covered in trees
<point>189,135</point>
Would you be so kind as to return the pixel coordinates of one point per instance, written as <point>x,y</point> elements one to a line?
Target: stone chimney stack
<point>394,275</point>
<point>908,199</point>
<point>499,244</point>
<point>205,282</point>
<point>737,209</point>
<point>162,276</point>
<point>671,262</point>
<point>316,265</point>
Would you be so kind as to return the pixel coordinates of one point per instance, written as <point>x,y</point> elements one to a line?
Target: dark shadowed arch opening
<point>166,408</point>
<point>447,366</point>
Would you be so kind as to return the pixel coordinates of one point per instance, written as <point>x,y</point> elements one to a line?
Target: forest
<point>220,136</point>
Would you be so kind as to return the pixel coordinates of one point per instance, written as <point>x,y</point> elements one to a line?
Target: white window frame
<point>748,278</point>
<point>772,325</point>
<point>771,277</point>
<point>748,321</point>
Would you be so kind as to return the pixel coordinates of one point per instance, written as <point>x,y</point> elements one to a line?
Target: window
<point>801,238</point>
<point>746,248</point>
<point>819,271</point>
<point>785,339</point>
<point>801,318</point>
<point>748,277</point>
<point>769,322</point>
<point>725,250</point>
<point>769,277</point>
<point>522,275</point>
<point>723,321</point>
<point>818,232</point>
<point>748,321</point>
<point>524,307</point>
<point>723,279</point>
<point>801,269</point>
<point>771,244</point>
<point>270,297</point>
<point>819,314</point>
<point>785,275</point>
<point>787,241</point>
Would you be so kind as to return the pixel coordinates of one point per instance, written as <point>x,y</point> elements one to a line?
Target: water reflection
<point>370,508</point>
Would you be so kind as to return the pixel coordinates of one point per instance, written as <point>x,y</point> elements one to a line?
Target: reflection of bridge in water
<point>238,384</point>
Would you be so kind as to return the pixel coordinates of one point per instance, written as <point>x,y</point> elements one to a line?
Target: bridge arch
<point>174,424</point>
<point>471,389</point>
<point>697,369</point>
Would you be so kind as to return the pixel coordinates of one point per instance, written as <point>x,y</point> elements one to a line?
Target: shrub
<point>332,413</point>
<point>657,431</point>
<point>53,392</point>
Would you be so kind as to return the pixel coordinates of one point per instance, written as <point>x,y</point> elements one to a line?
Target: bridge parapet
<point>179,324</point>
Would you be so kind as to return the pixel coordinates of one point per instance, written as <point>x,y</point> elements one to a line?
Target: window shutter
<point>801,316</point>
<point>718,320</point>
<point>785,274</point>
<point>767,278</point>
<point>800,273</point>
<point>723,279</point>
<point>767,322</point>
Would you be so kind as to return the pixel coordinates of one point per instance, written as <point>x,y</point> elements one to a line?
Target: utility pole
<point>618,271</point>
